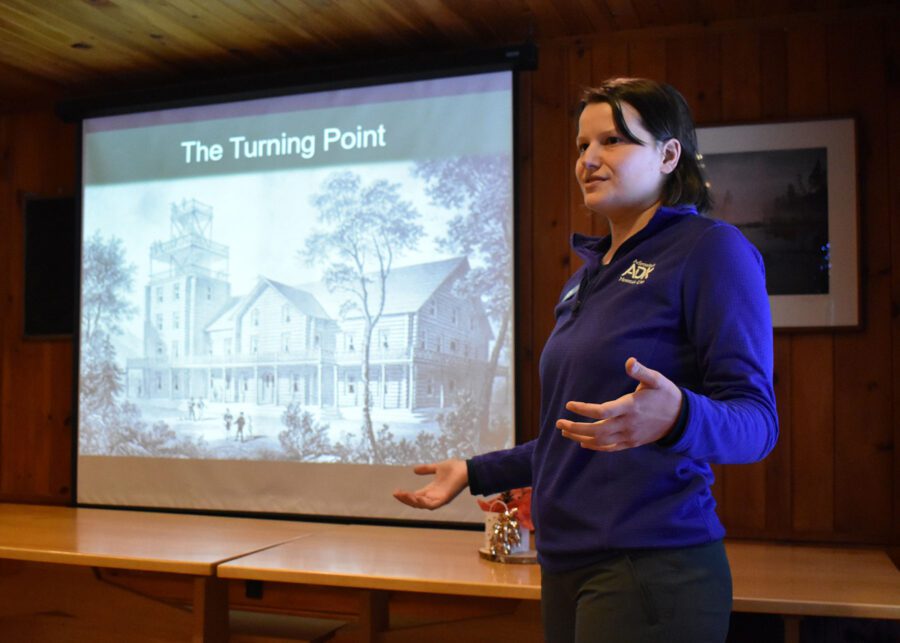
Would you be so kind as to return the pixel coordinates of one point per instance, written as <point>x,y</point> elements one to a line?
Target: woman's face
<point>617,176</point>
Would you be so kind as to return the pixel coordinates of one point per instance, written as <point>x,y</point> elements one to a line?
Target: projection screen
<point>288,302</point>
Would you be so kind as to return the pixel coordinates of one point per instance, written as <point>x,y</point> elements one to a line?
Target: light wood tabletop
<point>390,558</point>
<point>147,541</point>
<point>806,580</point>
<point>768,577</point>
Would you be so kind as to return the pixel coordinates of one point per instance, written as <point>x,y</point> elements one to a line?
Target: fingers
<point>425,469</point>
<point>587,429</point>
<point>600,443</point>
<point>608,435</point>
<point>625,404</point>
<point>416,499</point>
<point>646,376</point>
<point>405,497</point>
<point>605,411</point>
<point>635,419</point>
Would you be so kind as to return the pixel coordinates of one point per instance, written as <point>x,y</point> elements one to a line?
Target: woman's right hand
<point>450,478</point>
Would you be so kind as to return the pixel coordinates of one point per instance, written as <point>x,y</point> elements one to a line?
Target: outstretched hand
<point>450,478</point>
<point>638,418</point>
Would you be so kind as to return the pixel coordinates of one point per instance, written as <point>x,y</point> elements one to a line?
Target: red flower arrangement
<point>519,499</point>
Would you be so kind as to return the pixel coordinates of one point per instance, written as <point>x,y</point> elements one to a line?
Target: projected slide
<point>287,302</point>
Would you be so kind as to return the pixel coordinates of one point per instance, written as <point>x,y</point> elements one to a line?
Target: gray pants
<point>636,596</point>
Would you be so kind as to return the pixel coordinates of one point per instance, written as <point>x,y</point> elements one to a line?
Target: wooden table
<point>380,560</point>
<point>793,581</point>
<point>145,541</point>
<point>797,581</point>
<point>406,559</point>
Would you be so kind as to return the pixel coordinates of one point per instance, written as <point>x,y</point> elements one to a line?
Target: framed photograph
<point>791,189</point>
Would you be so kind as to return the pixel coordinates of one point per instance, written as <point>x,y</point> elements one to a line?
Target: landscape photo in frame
<point>791,189</point>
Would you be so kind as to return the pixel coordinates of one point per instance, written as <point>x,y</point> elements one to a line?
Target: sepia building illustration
<point>280,344</point>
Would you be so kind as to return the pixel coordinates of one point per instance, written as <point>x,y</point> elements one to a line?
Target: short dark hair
<point>666,115</point>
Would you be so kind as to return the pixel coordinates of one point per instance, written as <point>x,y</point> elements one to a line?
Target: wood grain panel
<point>35,376</point>
<point>609,59</point>
<point>863,437</point>
<point>623,14</point>
<point>694,68</point>
<point>778,464</point>
<point>7,287</point>
<point>557,18</point>
<point>598,16</point>
<point>120,45</point>
<point>580,76</point>
<point>773,74</point>
<point>287,17</point>
<point>807,73</point>
<point>526,364</point>
<point>812,432</point>
<point>496,21</point>
<point>812,354</point>
<point>648,13</point>
<point>779,497</point>
<point>550,224</point>
<point>718,9</point>
<point>744,491</point>
<point>741,77</point>
<point>105,35</point>
<point>25,91</point>
<point>647,58</point>
<point>893,136</point>
<point>680,11</point>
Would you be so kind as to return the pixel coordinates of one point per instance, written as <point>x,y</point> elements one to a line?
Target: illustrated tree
<point>303,439</point>
<point>362,229</point>
<point>479,189</point>
<point>107,278</point>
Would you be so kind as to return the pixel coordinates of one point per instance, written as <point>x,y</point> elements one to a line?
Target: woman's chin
<point>599,205</point>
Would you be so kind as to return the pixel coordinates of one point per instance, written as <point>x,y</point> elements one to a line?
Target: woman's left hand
<point>638,418</point>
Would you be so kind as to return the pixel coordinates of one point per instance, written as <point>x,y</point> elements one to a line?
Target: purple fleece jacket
<point>686,296</point>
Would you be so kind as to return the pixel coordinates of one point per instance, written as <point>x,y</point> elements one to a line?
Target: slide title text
<point>242,147</point>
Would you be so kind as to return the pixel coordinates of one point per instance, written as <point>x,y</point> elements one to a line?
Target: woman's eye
<point>612,140</point>
<point>582,147</point>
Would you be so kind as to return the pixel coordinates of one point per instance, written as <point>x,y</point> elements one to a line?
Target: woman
<point>659,364</point>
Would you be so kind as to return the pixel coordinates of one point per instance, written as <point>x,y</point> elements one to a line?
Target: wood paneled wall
<point>833,475</point>
<point>37,157</point>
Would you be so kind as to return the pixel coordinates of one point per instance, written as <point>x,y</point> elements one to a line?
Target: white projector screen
<point>288,302</point>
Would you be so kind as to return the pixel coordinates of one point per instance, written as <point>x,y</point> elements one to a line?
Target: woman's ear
<point>671,152</point>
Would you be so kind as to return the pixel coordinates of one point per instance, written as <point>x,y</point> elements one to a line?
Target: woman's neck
<point>623,226</point>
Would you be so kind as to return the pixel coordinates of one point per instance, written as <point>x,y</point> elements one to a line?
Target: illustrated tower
<point>188,286</point>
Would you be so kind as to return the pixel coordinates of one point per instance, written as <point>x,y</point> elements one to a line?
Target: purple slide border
<point>414,90</point>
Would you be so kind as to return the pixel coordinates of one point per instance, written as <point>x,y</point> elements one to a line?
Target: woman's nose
<point>591,156</point>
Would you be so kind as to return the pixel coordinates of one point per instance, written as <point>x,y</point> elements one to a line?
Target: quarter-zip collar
<point>592,249</point>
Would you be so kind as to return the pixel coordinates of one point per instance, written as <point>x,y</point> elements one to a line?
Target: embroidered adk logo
<point>638,272</point>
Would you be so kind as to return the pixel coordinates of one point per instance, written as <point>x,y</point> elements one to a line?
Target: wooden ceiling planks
<point>599,18</point>
<point>105,45</point>
<point>112,38</point>
<point>624,14</point>
<point>446,21</point>
<point>300,33</point>
<point>30,44</point>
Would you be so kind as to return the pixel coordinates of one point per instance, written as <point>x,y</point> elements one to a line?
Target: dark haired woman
<point>659,364</point>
